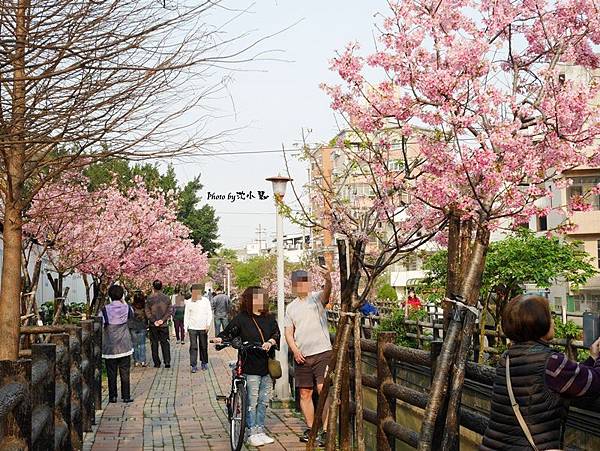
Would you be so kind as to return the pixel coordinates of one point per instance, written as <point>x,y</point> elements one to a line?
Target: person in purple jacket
<point>116,343</point>
<point>534,382</point>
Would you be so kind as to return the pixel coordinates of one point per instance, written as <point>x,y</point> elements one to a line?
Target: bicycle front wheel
<point>238,417</point>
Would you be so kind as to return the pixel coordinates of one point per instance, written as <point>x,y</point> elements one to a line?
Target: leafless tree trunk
<point>88,300</point>
<point>82,81</point>
<point>14,159</point>
<point>358,394</point>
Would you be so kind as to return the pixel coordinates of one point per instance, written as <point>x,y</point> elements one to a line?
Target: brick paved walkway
<point>176,410</point>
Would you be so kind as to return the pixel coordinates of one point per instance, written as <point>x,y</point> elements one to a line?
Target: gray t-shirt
<point>309,319</point>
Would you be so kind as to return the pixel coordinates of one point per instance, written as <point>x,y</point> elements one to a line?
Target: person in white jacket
<point>197,320</point>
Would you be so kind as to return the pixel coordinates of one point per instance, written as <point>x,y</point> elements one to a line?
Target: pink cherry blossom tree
<point>486,80</point>
<point>63,212</point>
<point>133,236</point>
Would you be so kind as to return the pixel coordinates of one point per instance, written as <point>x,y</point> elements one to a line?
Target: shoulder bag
<point>274,365</point>
<point>515,406</point>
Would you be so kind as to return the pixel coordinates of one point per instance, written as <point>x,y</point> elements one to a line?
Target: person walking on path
<point>138,326</point>
<point>255,324</point>
<point>158,312</point>
<point>116,343</point>
<point>197,320</point>
<point>307,335</point>
<point>221,305</point>
<point>534,383</point>
<point>178,318</point>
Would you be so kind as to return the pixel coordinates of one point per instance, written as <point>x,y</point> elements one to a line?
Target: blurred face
<point>258,303</point>
<point>411,294</point>
<point>301,287</point>
<point>196,294</point>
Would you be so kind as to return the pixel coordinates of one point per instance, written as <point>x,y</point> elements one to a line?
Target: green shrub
<point>566,330</point>
<point>395,322</point>
<point>387,292</point>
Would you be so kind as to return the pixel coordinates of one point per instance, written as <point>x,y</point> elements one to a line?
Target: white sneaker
<point>266,439</point>
<point>255,440</point>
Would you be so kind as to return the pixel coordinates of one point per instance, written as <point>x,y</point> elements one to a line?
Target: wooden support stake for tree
<point>358,395</point>
<point>439,386</point>
<point>451,441</point>
<point>386,407</point>
<point>318,417</point>
<point>337,387</point>
<point>345,420</point>
<point>482,328</point>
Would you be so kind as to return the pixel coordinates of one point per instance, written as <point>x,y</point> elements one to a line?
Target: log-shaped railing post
<point>43,357</point>
<point>62,403</point>
<point>97,358</point>
<point>76,388</point>
<point>386,407</point>
<point>87,375</point>
<point>15,408</point>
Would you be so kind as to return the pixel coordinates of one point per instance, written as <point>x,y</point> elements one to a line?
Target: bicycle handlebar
<point>245,346</point>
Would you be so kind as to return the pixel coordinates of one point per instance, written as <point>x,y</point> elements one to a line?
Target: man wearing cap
<point>307,335</point>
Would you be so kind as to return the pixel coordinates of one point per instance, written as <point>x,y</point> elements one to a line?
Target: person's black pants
<point>198,342</point>
<point>122,365</point>
<point>179,332</point>
<point>160,335</point>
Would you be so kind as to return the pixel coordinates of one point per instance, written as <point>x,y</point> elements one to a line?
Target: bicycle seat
<point>232,364</point>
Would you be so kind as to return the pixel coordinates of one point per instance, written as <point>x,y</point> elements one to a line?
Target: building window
<point>395,165</point>
<point>598,254</point>
<point>411,263</point>
<point>582,186</point>
<point>542,223</point>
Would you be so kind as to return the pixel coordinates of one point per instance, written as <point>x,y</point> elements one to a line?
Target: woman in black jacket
<point>534,382</point>
<point>255,324</point>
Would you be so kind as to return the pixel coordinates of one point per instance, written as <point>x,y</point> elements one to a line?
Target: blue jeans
<point>139,345</point>
<point>220,324</point>
<point>259,394</point>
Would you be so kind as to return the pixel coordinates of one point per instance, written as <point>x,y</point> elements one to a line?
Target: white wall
<point>44,291</point>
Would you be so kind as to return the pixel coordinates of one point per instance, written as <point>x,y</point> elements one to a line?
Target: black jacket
<point>543,410</point>
<point>242,326</point>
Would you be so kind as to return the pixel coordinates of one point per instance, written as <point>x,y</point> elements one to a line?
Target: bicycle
<point>237,400</point>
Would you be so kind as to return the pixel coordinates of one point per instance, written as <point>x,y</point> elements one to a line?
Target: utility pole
<point>260,232</point>
<point>327,169</point>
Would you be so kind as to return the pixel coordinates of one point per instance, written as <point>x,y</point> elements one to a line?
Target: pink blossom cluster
<point>133,235</point>
<point>483,78</point>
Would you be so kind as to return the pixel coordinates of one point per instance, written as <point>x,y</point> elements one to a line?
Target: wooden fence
<point>423,332</point>
<point>389,358</point>
<point>49,397</point>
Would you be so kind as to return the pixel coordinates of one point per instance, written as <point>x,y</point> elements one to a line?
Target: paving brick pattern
<point>176,410</point>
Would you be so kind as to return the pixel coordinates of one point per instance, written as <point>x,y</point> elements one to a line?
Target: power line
<point>248,152</point>
<point>241,213</point>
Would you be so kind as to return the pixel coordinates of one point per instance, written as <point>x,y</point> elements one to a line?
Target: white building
<point>295,246</point>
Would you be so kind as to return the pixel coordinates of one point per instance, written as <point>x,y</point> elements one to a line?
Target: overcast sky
<point>273,101</point>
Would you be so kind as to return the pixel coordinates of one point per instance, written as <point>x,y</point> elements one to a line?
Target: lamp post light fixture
<point>282,387</point>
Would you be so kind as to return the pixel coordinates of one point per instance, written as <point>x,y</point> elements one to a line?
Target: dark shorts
<point>312,370</point>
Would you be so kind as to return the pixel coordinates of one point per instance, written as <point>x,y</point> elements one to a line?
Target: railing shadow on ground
<point>49,397</point>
